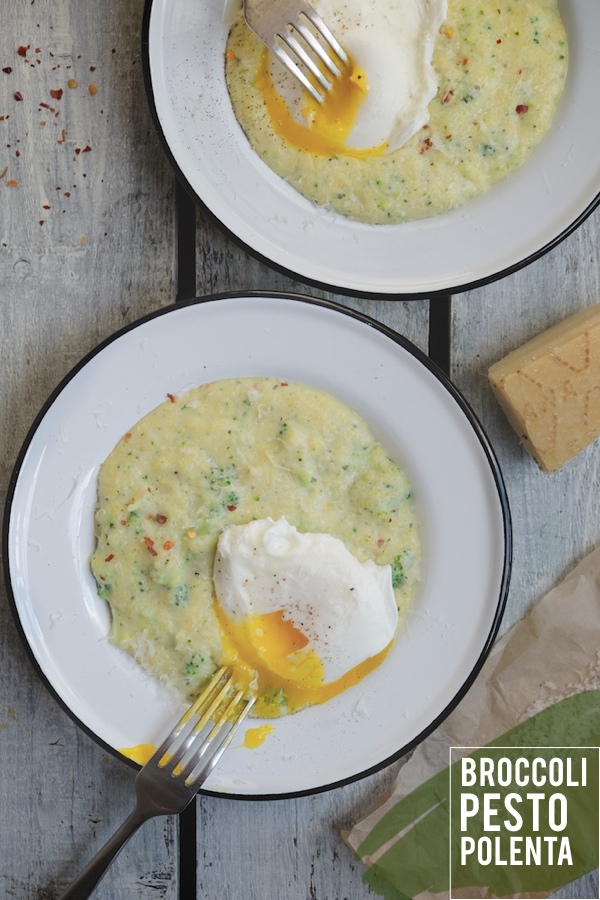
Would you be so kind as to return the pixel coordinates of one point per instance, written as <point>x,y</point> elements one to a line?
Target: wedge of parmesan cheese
<point>549,389</point>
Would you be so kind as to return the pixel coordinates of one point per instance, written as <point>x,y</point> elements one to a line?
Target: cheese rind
<point>549,389</point>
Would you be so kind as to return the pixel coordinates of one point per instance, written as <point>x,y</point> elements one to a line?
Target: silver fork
<point>280,23</point>
<point>171,778</point>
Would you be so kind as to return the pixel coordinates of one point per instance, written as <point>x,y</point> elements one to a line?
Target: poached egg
<point>299,614</point>
<point>382,96</point>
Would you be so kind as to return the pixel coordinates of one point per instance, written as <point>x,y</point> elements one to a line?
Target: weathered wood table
<point>94,233</point>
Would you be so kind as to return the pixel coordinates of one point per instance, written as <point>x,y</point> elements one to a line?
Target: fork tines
<point>300,39</point>
<point>306,18</point>
<point>209,724</point>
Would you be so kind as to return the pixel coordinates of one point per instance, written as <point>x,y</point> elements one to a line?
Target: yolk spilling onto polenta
<point>270,655</point>
<point>329,122</point>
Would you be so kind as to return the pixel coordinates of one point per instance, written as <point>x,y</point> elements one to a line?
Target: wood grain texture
<point>86,246</point>
<point>285,848</point>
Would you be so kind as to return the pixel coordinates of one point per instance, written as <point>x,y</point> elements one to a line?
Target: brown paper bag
<point>550,655</point>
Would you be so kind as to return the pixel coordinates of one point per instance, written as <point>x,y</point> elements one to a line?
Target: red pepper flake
<point>448,96</point>
<point>464,61</point>
<point>109,557</point>
<point>161,519</point>
<point>283,383</point>
<point>46,206</point>
<point>150,546</point>
<point>7,70</point>
<point>426,145</point>
<point>56,94</point>
<point>123,521</point>
<point>499,41</point>
<point>231,507</point>
<point>127,437</point>
<point>171,397</point>
<point>18,95</point>
<point>380,542</point>
<point>87,149</point>
<point>521,109</point>
<point>168,545</point>
<point>22,51</point>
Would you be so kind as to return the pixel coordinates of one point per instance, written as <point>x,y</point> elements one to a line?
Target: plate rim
<point>445,382</point>
<point>523,263</point>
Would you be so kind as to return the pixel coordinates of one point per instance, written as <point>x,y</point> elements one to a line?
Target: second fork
<point>173,775</point>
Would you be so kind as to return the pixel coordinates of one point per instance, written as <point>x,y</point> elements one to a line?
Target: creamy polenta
<point>501,68</point>
<point>222,454</point>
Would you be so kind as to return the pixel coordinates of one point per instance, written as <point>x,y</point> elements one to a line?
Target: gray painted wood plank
<point>86,246</point>
<point>289,848</point>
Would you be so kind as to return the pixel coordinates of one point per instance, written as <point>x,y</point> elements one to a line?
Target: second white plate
<point>421,420</point>
<point>515,222</point>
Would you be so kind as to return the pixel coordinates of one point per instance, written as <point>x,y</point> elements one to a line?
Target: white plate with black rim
<point>422,421</point>
<point>516,222</point>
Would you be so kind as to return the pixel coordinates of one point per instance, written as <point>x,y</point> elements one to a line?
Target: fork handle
<point>89,877</point>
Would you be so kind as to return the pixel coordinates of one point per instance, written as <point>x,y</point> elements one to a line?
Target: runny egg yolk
<point>254,737</point>
<point>140,754</point>
<point>328,123</point>
<point>268,653</point>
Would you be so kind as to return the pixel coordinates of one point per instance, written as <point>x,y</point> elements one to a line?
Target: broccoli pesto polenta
<point>501,69</point>
<point>228,453</point>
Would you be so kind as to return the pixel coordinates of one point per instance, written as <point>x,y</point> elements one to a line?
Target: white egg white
<point>393,41</point>
<point>345,609</point>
